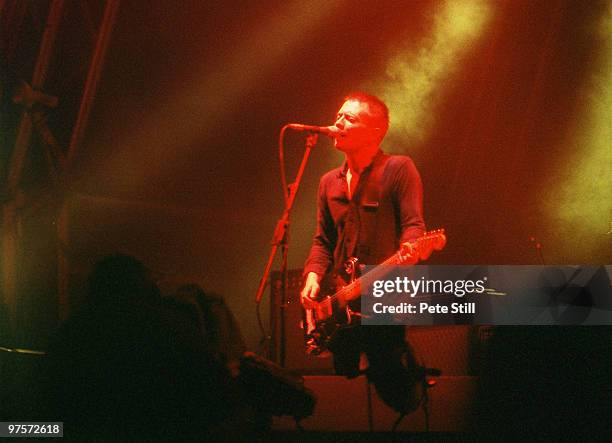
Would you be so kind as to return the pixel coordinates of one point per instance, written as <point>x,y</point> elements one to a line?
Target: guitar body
<point>320,335</point>
<point>330,314</point>
<point>333,312</point>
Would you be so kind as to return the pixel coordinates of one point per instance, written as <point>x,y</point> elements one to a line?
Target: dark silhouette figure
<point>128,366</point>
<point>262,388</point>
<point>217,324</point>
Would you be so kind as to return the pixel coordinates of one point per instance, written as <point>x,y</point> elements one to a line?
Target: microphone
<point>330,131</point>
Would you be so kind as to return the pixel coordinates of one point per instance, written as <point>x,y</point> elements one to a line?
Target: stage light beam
<point>414,76</point>
<point>211,90</point>
<point>581,208</point>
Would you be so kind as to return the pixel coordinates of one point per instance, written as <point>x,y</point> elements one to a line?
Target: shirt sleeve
<point>320,259</point>
<point>409,201</point>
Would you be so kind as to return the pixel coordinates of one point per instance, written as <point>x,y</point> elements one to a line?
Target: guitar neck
<point>420,250</point>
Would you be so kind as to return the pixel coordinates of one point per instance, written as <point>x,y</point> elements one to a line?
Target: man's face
<point>357,127</point>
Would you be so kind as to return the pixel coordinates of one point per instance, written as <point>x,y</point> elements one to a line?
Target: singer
<point>367,207</point>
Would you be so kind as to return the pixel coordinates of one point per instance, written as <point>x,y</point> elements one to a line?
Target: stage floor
<point>343,405</point>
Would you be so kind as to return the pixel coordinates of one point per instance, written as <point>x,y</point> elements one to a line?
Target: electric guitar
<point>331,313</point>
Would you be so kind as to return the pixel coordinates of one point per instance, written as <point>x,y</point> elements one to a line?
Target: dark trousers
<point>392,369</point>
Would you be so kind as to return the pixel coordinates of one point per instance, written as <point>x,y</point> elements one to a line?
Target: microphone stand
<point>280,238</point>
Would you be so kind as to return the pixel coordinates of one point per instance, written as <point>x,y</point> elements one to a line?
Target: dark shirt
<point>385,211</point>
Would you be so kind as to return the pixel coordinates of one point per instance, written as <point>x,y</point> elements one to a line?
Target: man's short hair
<point>378,109</point>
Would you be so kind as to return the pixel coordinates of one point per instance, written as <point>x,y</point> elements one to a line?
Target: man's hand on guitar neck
<point>408,253</point>
<point>310,291</point>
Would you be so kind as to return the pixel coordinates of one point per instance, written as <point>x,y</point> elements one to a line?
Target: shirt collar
<point>375,159</point>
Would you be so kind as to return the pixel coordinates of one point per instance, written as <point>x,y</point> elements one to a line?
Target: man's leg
<point>393,369</point>
<point>346,348</point>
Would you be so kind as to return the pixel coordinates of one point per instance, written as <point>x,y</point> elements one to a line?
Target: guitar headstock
<point>422,247</point>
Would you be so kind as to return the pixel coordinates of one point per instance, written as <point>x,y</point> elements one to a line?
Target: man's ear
<point>378,132</point>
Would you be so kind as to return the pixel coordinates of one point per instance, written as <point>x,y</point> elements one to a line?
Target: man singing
<point>367,208</point>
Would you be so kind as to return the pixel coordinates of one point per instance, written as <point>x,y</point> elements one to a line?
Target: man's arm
<point>320,259</point>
